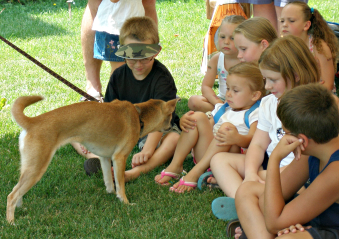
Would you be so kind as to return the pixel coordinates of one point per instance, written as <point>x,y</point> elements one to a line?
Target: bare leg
<point>229,171</point>
<point>92,65</point>
<point>199,103</point>
<point>150,9</point>
<point>115,65</point>
<point>201,166</point>
<point>278,13</point>
<point>186,142</point>
<point>249,212</point>
<point>160,156</point>
<point>266,11</point>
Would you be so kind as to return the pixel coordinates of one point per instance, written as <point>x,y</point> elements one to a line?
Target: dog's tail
<point>18,109</point>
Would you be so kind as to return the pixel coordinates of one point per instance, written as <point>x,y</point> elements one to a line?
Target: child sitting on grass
<point>219,64</point>
<point>140,79</point>
<point>309,115</point>
<point>298,19</point>
<point>285,64</point>
<point>245,86</point>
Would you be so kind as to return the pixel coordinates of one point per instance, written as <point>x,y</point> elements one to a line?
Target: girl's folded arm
<point>208,81</point>
<point>255,154</point>
<point>325,62</point>
<point>245,140</point>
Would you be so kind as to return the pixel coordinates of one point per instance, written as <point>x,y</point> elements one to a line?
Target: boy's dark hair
<point>310,110</point>
<point>140,29</point>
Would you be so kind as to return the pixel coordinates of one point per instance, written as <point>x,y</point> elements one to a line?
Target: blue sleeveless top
<point>330,217</point>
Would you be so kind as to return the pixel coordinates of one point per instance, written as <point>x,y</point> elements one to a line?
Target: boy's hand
<point>140,158</point>
<point>227,135</point>
<point>187,122</point>
<point>293,229</point>
<point>286,145</point>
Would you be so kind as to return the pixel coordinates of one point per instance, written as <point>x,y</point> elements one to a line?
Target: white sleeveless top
<point>111,16</point>
<point>222,75</point>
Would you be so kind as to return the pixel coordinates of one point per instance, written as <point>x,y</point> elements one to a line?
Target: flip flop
<point>231,226</point>
<point>182,182</point>
<point>92,166</point>
<point>224,208</point>
<point>202,182</point>
<point>175,176</point>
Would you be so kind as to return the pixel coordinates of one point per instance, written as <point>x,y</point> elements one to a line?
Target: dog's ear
<point>138,109</point>
<point>172,103</point>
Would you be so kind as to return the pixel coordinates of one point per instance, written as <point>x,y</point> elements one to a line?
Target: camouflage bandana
<point>138,50</point>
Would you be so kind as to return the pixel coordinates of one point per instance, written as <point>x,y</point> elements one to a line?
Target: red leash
<point>59,77</point>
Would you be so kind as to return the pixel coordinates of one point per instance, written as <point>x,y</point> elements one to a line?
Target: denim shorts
<point>105,47</point>
<point>142,141</point>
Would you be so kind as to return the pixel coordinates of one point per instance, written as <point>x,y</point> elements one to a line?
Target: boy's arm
<point>208,81</point>
<point>255,154</point>
<point>148,149</point>
<point>320,195</point>
<point>231,136</point>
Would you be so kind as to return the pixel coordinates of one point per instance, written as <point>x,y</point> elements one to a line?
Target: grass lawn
<point>66,202</point>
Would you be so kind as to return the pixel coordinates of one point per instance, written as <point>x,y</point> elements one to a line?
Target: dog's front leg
<point>107,172</point>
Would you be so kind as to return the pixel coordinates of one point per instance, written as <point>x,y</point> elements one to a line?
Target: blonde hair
<point>250,71</point>
<point>140,29</point>
<point>232,19</point>
<point>291,57</point>
<point>257,29</point>
<point>319,30</point>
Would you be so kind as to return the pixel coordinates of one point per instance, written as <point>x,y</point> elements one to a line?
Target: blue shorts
<point>105,47</point>
<point>278,3</point>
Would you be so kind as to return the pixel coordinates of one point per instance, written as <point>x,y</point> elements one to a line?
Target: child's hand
<point>293,229</point>
<point>187,122</point>
<point>253,178</point>
<point>140,158</point>
<point>227,135</point>
<point>288,144</point>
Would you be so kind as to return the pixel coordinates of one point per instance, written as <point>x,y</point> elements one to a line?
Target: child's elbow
<point>272,227</point>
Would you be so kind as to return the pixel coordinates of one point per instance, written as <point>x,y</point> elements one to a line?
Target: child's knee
<point>193,101</point>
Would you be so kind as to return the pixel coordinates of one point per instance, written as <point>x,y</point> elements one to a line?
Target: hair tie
<point>312,10</point>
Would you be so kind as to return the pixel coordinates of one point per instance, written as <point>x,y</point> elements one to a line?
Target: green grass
<point>66,202</point>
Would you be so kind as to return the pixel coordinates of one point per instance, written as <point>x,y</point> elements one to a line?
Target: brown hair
<point>140,29</point>
<point>291,57</point>
<point>250,71</point>
<point>319,30</point>
<point>310,110</point>
<point>257,29</point>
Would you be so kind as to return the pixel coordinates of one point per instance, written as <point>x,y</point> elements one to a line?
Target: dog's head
<point>155,115</point>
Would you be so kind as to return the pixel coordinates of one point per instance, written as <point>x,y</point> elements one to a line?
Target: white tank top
<point>111,16</point>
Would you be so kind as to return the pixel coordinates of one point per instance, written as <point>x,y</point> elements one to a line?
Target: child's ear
<point>307,26</point>
<point>304,138</point>
<point>264,43</point>
<point>256,95</point>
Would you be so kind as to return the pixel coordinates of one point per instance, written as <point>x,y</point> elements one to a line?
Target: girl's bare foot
<point>238,233</point>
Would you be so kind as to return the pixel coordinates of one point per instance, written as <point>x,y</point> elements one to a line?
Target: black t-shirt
<point>158,84</point>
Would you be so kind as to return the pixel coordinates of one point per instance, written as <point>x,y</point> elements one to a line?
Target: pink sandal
<point>175,176</point>
<point>182,182</point>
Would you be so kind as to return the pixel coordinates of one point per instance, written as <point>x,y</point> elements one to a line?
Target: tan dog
<point>109,130</point>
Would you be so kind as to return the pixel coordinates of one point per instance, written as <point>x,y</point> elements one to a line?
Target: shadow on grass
<point>31,20</point>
